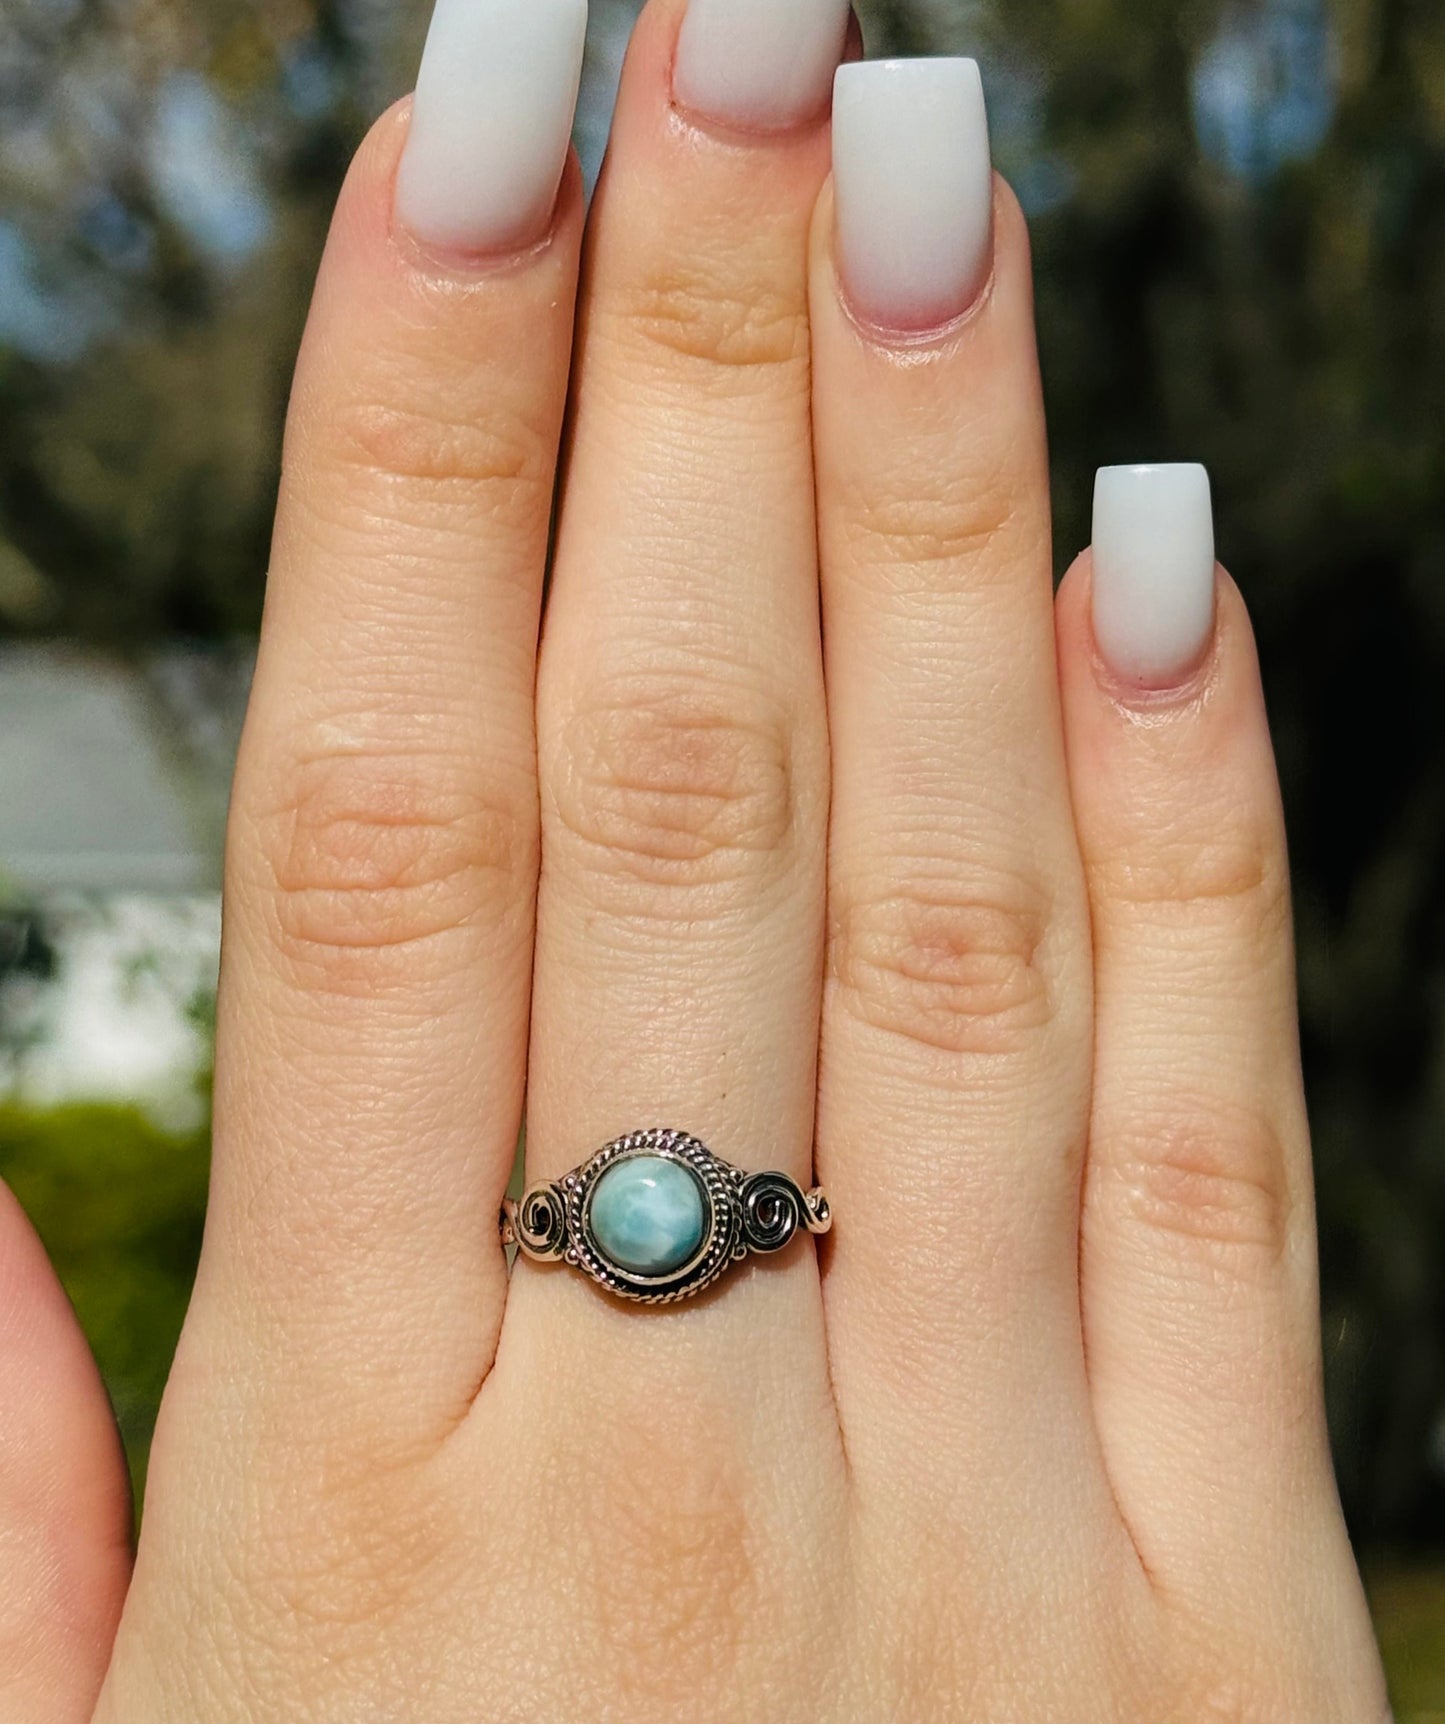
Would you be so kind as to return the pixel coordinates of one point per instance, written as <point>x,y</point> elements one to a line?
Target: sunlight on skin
<point>1056,1382</point>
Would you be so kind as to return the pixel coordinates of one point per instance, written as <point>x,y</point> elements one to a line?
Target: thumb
<point>64,1495</point>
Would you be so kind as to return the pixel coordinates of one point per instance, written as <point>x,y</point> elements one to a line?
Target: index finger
<point>383,843</point>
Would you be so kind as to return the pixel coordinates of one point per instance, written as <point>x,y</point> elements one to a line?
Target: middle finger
<point>680,706</point>
<point>683,763</point>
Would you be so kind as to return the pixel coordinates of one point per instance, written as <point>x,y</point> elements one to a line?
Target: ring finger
<point>956,1027</point>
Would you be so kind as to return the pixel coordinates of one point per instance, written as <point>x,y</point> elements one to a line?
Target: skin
<point>1037,1436</point>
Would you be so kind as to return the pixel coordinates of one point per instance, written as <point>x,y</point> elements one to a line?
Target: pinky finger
<point>64,1498</point>
<point>1198,1248</point>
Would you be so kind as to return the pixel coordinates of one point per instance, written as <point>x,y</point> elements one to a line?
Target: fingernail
<point>492,122</point>
<point>1153,571</point>
<point>762,63</point>
<point>914,187</point>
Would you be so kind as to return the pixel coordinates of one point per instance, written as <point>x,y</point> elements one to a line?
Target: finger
<point>64,1495</point>
<point>683,762</point>
<point>955,1049</point>
<point>382,855</point>
<point>1199,1282</point>
<point>683,749</point>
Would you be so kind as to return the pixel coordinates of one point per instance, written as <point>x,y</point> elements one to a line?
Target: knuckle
<point>1236,868</point>
<point>674,787</point>
<point>902,528</point>
<point>677,1529</point>
<point>374,1546</point>
<point>948,964</point>
<point>690,1579</point>
<point>1216,1180</point>
<point>397,457</point>
<point>367,853</point>
<point>738,328</point>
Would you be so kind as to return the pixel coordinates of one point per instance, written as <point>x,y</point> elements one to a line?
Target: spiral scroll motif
<point>540,1222</point>
<point>774,1208</point>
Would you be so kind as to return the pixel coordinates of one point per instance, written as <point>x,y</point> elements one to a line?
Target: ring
<point>655,1216</point>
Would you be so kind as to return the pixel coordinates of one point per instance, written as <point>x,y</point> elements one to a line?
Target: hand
<point>1036,1437</point>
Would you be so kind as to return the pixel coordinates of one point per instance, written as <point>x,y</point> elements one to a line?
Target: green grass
<point>1409,1606</point>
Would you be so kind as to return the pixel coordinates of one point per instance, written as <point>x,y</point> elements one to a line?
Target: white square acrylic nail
<point>492,122</point>
<point>1154,570</point>
<point>914,186</point>
<point>760,63</point>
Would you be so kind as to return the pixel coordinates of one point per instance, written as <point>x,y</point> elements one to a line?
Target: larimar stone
<point>648,1215</point>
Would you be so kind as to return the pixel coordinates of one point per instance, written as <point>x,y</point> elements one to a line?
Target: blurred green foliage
<point>119,1203</point>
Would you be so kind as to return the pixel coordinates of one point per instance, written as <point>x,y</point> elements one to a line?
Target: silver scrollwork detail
<point>538,1224</point>
<point>774,1208</point>
<point>820,1211</point>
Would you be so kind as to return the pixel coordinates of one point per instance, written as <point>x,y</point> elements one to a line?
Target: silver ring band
<point>655,1216</point>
